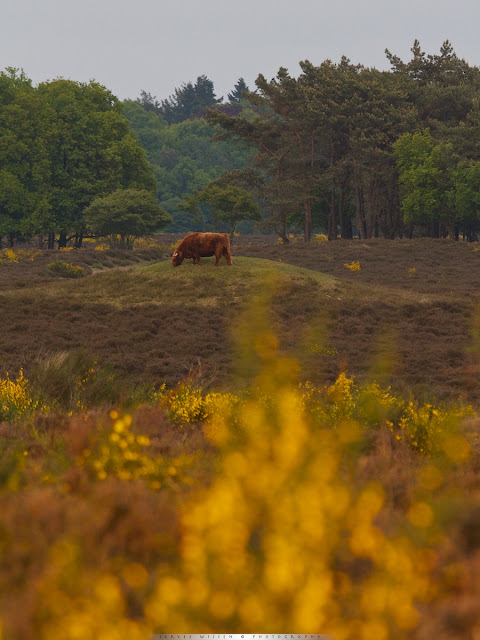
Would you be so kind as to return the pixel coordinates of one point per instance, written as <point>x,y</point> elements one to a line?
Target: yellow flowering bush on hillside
<point>422,426</point>
<point>16,399</point>
<point>352,266</point>
<point>66,269</point>
<point>187,404</point>
<point>18,255</point>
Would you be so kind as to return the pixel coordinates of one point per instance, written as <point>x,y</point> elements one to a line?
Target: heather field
<point>413,301</point>
<point>287,444</point>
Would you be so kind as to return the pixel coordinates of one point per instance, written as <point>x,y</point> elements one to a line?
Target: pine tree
<point>149,102</point>
<point>237,94</point>
<point>190,100</point>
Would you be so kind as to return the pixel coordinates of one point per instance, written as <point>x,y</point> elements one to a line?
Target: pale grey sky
<point>155,45</point>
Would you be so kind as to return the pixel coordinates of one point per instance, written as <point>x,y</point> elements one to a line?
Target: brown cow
<point>200,245</point>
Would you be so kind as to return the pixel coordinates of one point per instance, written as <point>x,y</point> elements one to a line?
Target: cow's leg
<point>227,255</point>
<point>218,255</point>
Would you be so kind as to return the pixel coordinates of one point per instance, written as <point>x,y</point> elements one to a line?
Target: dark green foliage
<point>322,141</point>
<point>323,144</point>
<point>227,205</point>
<point>190,100</point>
<point>236,95</point>
<point>318,151</point>
<point>26,122</point>
<point>184,158</point>
<point>61,145</point>
<point>149,102</point>
<point>124,215</point>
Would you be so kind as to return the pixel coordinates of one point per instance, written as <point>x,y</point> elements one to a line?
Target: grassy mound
<point>153,323</point>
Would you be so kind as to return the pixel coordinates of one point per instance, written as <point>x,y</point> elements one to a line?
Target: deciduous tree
<point>228,205</point>
<point>125,215</point>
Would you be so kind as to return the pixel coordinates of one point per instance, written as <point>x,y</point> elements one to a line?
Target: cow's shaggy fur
<point>201,245</point>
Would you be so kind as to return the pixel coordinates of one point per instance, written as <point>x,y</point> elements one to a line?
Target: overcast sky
<point>157,45</point>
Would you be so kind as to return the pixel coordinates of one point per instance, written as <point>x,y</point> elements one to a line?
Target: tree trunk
<point>332,221</point>
<point>390,219</point>
<point>51,241</point>
<point>370,207</point>
<point>62,240</point>
<point>282,233</point>
<point>308,219</point>
<point>346,230</point>
<point>360,213</point>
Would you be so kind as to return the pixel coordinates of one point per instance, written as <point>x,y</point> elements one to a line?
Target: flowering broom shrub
<point>283,536</point>
<point>16,399</point>
<point>423,427</point>
<point>18,255</point>
<point>352,266</point>
<point>187,404</point>
<point>66,269</point>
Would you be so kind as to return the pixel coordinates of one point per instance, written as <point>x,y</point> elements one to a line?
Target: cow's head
<point>177,258</point>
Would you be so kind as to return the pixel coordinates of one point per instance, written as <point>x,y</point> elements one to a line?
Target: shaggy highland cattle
<point>202,245</point>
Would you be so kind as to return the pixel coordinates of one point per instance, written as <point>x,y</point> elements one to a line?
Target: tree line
<point>341,148</point>
<point>350,148</point>
<point>64,146</point>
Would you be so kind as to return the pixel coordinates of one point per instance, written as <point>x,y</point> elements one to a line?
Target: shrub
<point>18,255</point>
<point>16,399</point>
<point>66,269</point>
<point>186,404</point>
<point>352,266</point>
<point>287,532</point>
